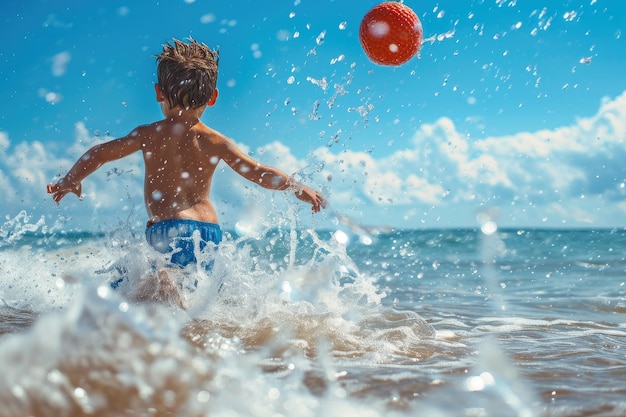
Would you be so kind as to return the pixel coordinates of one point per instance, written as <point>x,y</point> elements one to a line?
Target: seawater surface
<point>310,323</point>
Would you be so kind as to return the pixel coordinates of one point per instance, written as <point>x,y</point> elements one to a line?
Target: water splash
<point>13,229</point>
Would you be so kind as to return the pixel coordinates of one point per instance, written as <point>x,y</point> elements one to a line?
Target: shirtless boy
<point>181,154</point>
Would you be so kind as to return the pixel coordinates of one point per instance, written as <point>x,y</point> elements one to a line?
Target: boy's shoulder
<point>145,128</point>
<point>154,130</point>
<point>209,133</point>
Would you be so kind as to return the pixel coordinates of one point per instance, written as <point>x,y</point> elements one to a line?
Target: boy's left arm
<point>269,177</point>
<point>306,194</point>
<point>91,160</point>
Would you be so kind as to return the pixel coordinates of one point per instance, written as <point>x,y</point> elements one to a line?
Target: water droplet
<point>55,376</point>
<point>273,393</point>
<point>341,237</point>
<point>207,18</point>
<point>320,38</point>
<point>203,396</point>
<point>103,291</point>
<point>569,16</point>
<point>282,35</point>
<point>489,228</point>
<point>157,195</point>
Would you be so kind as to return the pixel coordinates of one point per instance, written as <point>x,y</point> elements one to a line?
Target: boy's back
<point>180,158</point>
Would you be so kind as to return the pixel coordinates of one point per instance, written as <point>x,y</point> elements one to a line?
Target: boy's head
<point>187,73</point>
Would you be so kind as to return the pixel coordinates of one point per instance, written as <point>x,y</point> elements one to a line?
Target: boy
<point>180,155</point>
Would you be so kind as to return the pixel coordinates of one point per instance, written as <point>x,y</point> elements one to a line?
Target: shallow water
<point>435,322</point>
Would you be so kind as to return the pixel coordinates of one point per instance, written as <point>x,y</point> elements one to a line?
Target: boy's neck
<point>183,115</point>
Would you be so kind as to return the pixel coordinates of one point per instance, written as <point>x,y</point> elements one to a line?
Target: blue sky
<point>513,108</point>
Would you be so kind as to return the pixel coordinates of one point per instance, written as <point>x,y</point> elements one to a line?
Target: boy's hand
<point>61,188</point>
<point>314,198</point>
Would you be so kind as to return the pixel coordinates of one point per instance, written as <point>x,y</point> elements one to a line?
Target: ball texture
<point>390,33</point>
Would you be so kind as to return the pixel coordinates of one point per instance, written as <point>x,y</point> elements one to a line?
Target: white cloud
<point>6,186</point>
<point>529,171</point>
<point>573,175</point>
<point>4,142</point>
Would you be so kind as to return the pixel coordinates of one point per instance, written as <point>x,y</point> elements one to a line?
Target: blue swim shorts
<point>177,235</point>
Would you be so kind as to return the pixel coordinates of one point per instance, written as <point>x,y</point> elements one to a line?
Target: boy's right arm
<point>91,160</point>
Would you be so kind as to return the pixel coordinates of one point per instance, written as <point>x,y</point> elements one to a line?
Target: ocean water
<point>475,322</point>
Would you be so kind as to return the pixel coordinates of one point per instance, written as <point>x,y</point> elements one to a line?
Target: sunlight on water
<point>328,328</point>
<point>100,354</point>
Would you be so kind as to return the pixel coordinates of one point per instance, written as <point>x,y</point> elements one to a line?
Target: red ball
<point>390,33</point>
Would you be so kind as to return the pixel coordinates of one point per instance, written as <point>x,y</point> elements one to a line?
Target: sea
<point>289,322</point>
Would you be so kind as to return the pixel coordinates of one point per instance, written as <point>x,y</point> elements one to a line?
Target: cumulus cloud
<point>585,158</point>
<point>27,167</point>
<point>571,174</point>
<point>551,170</point>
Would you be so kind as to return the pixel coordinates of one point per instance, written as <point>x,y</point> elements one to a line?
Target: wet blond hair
<point>187,73</point>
